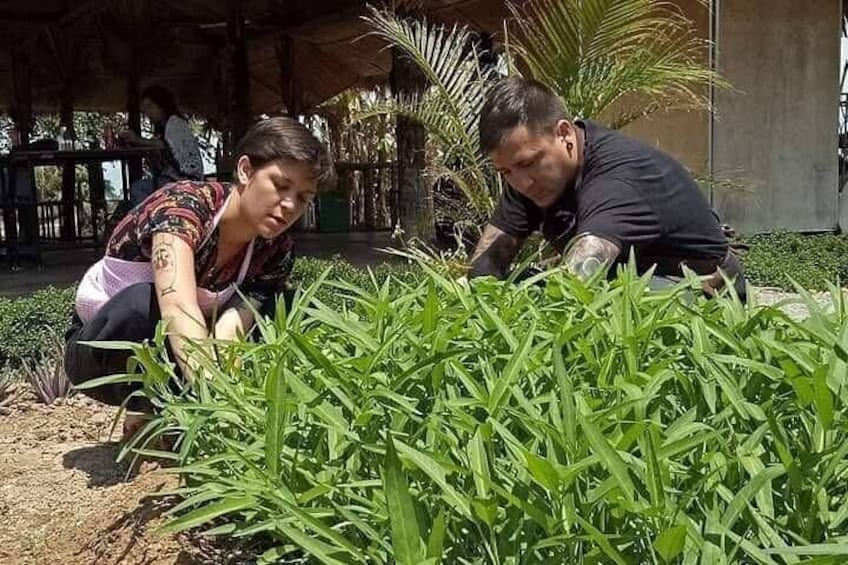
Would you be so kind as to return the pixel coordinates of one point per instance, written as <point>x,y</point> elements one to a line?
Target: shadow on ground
<point>98,462</point>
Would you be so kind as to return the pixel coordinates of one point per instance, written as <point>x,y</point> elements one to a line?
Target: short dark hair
<point>163,98</point>
<point>516,101</point>
<point>281,138</point>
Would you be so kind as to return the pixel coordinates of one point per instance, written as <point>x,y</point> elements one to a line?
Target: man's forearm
<point>590,254</point>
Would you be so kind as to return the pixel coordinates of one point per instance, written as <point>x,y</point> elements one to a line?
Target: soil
<point>64,499</point>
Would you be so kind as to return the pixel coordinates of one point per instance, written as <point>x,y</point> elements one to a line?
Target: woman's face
<point>275,195</point>
<point>152,110</point>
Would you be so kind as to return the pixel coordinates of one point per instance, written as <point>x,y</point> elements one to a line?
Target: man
<point>595,194</point>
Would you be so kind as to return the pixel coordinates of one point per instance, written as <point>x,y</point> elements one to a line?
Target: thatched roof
<point>83,45</point>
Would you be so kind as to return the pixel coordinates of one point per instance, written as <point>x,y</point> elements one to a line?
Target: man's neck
<point>581,152</point>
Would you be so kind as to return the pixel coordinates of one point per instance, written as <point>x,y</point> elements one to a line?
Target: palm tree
<point>613,60</point>
<point>449,107</point>
<point>595,54</point>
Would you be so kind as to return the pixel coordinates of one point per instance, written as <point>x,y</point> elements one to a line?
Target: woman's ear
<point>244,169</point>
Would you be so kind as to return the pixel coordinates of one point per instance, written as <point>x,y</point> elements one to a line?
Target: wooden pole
<point>28,212</point>
<point>289,81</point>
<point>22,84</point>
<point>134,166</point>
<point>240,101</point>
<point>69,173</point>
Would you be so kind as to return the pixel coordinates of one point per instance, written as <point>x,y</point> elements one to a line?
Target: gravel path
<point>768,296</point>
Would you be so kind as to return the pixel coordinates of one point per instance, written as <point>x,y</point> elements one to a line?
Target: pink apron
<point>110,275</point>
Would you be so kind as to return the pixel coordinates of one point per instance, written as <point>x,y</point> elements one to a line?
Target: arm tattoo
<point>589,254</point>
<point>163,262</point>
<point>494,253</point>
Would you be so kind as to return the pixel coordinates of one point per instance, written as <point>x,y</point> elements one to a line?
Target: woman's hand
<point>130,137</point>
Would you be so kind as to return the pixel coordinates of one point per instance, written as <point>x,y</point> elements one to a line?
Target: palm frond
<point>450,106</point>
<point>595,53</point>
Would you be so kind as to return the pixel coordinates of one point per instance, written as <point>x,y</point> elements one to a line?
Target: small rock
<point>100,418</point>
<point>4,411</point>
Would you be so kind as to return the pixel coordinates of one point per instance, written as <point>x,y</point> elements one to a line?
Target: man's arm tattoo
<point>494,253</point>
<point>589,254</point>
<point>163,262</point>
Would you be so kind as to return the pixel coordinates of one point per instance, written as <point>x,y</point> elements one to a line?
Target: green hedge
<point>810,260</point>
<point>27,324</point>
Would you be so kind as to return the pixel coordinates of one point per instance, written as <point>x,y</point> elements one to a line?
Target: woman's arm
<point>132,138</point>
<point>260,293</point>
<point>183,148</point>
<point>176,290</point>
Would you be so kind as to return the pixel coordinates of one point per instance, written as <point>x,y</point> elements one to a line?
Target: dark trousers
<point>130,315</point>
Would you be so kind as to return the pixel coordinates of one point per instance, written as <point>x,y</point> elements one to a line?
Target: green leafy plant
<point>27,324</point>
<point>814,261</point>
<point>46,374</point>
<point>613,60</point>
<point>450,106</point>
<point>451,421</point>
<point>609,60</point>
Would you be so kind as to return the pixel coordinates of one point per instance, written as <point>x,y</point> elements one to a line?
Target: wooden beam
<point>134,166</point>
<point>240,101</point>
<point>290,84</point>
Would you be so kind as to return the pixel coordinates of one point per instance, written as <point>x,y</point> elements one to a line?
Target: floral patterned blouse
<point>187,210</point>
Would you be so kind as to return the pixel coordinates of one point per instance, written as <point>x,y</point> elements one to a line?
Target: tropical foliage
<point>447,421</point>
<point>611,60</point>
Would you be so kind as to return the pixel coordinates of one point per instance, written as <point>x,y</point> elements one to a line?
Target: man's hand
<point>494,253</point>
<point>589,254</point>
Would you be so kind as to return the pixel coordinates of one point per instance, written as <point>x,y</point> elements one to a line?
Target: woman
<point>181,158</point>
<point>180,256</point>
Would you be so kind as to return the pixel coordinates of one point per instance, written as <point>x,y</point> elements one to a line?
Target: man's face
<point>541,166</point>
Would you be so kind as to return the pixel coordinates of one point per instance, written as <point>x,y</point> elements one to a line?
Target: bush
<point>27,325</point>
<point>308,269</point>
<point>456,422</point>
<point>811,260</point>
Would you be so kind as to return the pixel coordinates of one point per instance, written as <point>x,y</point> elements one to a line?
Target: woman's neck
<point>234,230</point>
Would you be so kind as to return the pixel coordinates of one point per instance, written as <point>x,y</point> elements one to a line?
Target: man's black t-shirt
<point>629,193</point>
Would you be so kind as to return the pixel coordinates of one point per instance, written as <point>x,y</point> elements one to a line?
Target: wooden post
<point>134,166</point>
<point>69,173</point>
<point>368,193</point>
<point>289,81</point>
<point>240,101</point>
<point>28,211</point>
<point>416,198</point>
<point>22,84</point>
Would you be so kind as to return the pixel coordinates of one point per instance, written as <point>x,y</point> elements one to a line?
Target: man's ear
<point>565,130</point>
<point>244,169</point>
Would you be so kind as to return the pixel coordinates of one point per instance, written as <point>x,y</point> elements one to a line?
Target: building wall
<point>776,135</point>
<point>683,134</point>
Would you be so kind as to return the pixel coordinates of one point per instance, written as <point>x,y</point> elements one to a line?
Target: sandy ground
<point>63,499</point>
